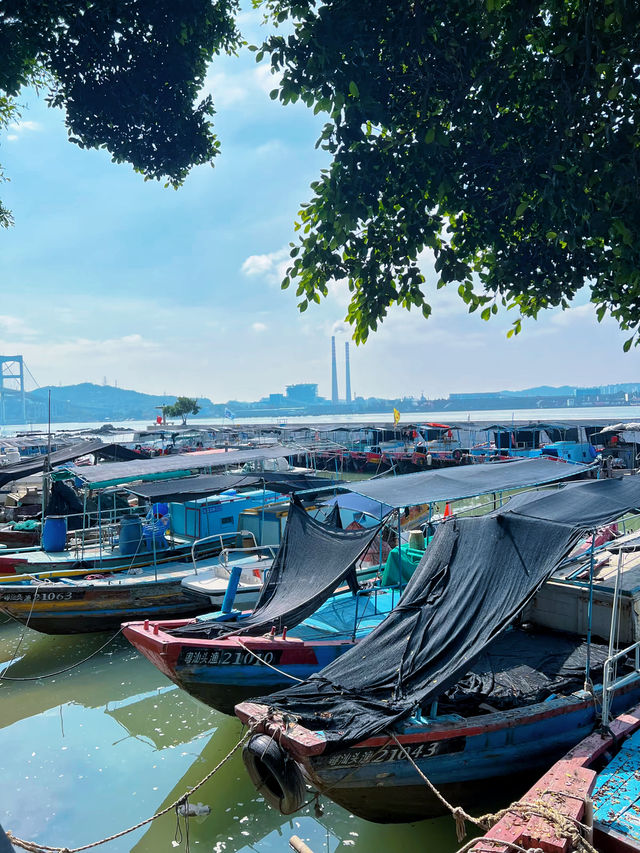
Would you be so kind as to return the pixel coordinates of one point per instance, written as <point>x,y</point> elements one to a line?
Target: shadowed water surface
<point>89,752</point>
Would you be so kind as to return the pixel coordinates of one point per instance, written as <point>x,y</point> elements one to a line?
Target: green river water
<point>92,751</point>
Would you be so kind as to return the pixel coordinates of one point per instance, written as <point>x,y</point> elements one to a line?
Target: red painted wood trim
<point>571,775</point>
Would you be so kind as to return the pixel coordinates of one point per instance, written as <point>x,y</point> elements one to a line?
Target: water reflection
<point>100,747</point>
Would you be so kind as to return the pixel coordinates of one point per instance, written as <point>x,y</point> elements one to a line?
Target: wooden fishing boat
<point>450,685</point>
<point>224,671</point>
<point>260,653</point>
<point>595,784</point>
<point>102,601</point>
<point>377,779</point>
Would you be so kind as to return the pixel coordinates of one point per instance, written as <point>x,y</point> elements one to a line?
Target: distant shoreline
<point>588,415</point>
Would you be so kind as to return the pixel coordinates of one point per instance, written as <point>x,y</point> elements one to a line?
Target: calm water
<point>97,749</point>
<point>608,414</point>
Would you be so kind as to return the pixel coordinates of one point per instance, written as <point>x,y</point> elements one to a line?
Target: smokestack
<point>347,371</point>
<point>334,372</point>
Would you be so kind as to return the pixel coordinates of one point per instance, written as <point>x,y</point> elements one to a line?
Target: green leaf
<point>627,345</point>
<point>520,209</point>
<point>353,90</point>
<point>430,135</point>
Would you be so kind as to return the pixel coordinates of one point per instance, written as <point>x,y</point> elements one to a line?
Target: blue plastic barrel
<point>130,534</point>
<point>54,533</point>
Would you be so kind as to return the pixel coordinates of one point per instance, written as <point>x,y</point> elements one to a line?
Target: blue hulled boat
<point>452,684</point>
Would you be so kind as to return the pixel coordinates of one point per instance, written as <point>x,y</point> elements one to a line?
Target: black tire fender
<point>276,776</point>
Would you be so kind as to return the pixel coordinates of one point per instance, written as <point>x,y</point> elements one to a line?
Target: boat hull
<point>62,609</point>
<point>464,760</point>
<point>221,674</point>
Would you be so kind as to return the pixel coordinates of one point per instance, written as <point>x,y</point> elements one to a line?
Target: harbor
<point>319,470</point>
<point>141,635</point>
<point>103,746</point>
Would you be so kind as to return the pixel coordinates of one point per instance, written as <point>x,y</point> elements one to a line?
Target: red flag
<point>447,510</point>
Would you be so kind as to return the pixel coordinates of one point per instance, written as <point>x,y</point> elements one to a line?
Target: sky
<point>107,277</point>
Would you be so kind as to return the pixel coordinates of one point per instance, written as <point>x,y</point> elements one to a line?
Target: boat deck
<point>616,796</point>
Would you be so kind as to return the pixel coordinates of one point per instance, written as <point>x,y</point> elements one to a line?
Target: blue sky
<point>106,275</point>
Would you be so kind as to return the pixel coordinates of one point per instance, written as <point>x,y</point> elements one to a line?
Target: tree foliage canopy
<point>182,407</point>
<point>500,135</point>
<point>127,72</point>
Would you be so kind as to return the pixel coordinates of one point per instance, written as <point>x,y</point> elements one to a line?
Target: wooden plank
<point>564,787</point>
<point>296,739</point>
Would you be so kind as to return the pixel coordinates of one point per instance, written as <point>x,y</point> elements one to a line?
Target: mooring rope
<point>565,826</point>
<point>4,677</point>
<point>271,666</point>
<point>33,847</point>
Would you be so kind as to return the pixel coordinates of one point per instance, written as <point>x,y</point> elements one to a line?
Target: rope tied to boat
<point>4,677</point>
<point>34,847</point>
<point>565,826</point>
<point>270,665</point>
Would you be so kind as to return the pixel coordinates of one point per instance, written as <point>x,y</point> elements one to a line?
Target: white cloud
<point>272,266</point>
<point>264,78</point>
<point>229,89</point>
<point>273,146</point>
<point>226,89</point>
<point>15,327</point>
<point>22,126</point>
<point>574,315</point>
<point>259,327</point>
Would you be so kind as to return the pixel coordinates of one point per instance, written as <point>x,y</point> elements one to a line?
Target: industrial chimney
<point>334,372</point>
<point>347,371</point>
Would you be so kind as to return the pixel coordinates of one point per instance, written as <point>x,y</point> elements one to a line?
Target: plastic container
<point>130,534</point>
<point>54,533</point>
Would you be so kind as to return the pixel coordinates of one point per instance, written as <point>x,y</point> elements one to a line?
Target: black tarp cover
<point>312,561</point>
<point>452,484</point>
<point>475,577</point>
<point>521,667</point>
<point>66,454</point>
<point>586,503</point>
<point>168,466</point>
<point>201,485</point>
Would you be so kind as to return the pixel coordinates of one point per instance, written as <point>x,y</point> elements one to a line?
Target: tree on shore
<point>182,407</point>
<point>502,137</point>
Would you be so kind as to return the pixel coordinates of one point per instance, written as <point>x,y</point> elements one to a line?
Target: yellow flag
<point>396,417</point>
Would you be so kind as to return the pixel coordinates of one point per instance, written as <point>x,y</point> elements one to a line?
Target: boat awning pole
<point>587,669</point>
<point>100,527</point>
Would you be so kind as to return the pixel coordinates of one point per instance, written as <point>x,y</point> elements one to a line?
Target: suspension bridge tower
<point>12,384</point>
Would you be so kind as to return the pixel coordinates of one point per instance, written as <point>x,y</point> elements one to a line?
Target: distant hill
<point>567,390</point>
<point>89,402</point>
<point>542,391</point>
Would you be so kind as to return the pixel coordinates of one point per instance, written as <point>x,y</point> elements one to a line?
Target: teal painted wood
<point>616,796</point>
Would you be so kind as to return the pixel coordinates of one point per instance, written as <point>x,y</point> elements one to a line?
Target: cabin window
<point>227,520</point>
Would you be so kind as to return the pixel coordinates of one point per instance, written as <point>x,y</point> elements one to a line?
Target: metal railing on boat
<point>220,537</point>
<point>610,681</point>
